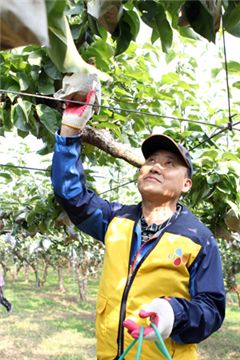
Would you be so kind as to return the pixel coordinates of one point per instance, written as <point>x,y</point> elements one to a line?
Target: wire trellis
<point>113,109</point>
<point>229,127</point>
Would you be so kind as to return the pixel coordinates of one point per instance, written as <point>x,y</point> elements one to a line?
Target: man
<point>161,263</point>
<point>3,300</point>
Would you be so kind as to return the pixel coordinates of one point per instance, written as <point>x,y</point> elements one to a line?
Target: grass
<point>49,325</point>
<point>225,343</point>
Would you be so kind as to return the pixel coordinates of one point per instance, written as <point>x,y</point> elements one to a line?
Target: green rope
<point>163,346</point>
<point>139,348</point>
<point>160,344</point>
<point>140,341</point>
<point>128,349</point>
<point>159,347</point>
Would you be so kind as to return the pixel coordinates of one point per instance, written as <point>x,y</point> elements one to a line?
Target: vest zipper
<point>123,312</point>
<point>131,274</point>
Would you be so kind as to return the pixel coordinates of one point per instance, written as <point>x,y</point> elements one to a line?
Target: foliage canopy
<point>153,84</point>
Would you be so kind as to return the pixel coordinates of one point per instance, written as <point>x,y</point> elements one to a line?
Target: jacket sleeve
<point>199,317</point>
<point>89,212</point>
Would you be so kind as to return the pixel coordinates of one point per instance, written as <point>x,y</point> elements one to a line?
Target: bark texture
<point>103,140</point>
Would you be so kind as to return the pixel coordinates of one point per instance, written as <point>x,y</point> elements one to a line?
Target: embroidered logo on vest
<point>178,257</point>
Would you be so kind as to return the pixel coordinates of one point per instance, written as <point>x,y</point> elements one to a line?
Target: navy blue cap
<point>163,142</point>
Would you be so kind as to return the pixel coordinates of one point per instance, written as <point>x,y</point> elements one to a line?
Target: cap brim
<point>161,142</point>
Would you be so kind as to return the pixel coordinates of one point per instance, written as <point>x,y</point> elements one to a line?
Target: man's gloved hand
<point>76,87</point>
<point>75,116</point>
<point>160,313</point>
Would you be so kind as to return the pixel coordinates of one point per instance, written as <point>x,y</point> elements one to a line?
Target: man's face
<point>163,176</point>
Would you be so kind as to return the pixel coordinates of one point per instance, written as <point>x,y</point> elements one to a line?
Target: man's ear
<point>186,185</point>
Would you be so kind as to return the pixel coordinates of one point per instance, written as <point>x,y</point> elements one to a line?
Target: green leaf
<point>212,179</point>
<point>234,207</point>
<point>120,92</point>
<point>153,14</point>
<point>9,83</point>
<point>35,59</point>
<point>189,33</point>
<point>210,154</point>
<point>236,84</point>
<point>139,123</point>
<point>23,80</point>
<point>231,20</point>
<point>166,35</point>
<point>51,70</point>
<point>6,176</point>
<point>200,189</point>
<point>22,133</point>
<point>200,19</point>
<point>223,189</point>
<point>49,117</point>
<point>230,156</point>
<point>101,52</point>
<point>75,10</point>
<point>170,77</point>
<point>222,169</point>
<point>45,85</point>
<point>55,7</point>
<point>46,149</point>
<point>6,119</point>
<point>215,72</point>
<point>19,118</point>
<point>102,32</point>
<point>233,66</point>
<point>133,20</point>
<point>109,125</point>
<point>125,37</point>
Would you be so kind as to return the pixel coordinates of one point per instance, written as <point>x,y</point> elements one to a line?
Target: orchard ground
<point>50,325</point>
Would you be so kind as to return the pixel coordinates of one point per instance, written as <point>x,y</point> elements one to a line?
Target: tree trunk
<point>37,279</point>
<point>60,279</point>
<point>26,273</point>
<point>45,273</point>
<point>82,282</point>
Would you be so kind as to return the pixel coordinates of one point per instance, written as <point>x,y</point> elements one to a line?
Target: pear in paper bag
<point>77,86</point>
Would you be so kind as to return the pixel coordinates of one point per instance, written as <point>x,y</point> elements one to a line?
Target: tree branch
<point>103,140</point>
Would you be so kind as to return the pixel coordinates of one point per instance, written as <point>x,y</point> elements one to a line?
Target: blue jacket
<point>195,318</point>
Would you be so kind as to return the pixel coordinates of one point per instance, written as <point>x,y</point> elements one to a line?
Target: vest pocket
<point>101,315</point>
<point>101,303</point>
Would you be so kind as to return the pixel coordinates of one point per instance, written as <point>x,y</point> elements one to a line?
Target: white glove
<point>77,86</point>
<point>75,116</point>
<point>160,313</point>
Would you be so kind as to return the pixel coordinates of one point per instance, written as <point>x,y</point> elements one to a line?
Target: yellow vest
<point>164,272</point>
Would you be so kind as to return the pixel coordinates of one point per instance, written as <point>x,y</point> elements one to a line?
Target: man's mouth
<point>152,178</point>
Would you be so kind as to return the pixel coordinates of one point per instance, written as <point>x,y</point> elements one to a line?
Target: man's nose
<point>156,168</point>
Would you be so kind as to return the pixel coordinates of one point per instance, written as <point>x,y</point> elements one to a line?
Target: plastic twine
<point>140,341</point>
<point>162,346</point>
<point>128,349</point>
<point>139,348</point>
<point>159,343</point>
